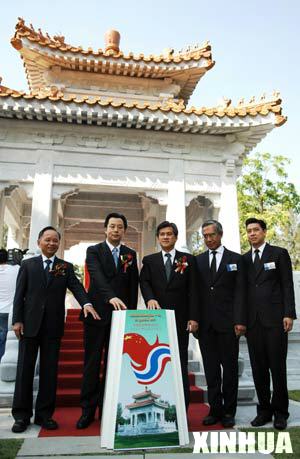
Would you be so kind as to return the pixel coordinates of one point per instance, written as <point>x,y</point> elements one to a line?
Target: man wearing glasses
<point>222,320</point>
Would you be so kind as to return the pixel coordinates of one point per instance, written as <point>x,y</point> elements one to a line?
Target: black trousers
<point>96,340</point>
<point>23,396</point>
<point>268,351</point>
<point>220,352</point>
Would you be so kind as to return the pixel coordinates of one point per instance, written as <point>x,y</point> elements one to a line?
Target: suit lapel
<point>177,256</point>
<point>40,270</point>
<point>51,275</point>
<point>222,265</point>
<point>250,264</point>
<point>264,258</point>
<point>161,266</point>
<point>204,265</point>
<point>108,257</point>
<point>123,251</point>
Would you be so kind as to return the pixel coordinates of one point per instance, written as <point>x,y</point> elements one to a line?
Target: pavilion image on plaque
<point>144,401</point>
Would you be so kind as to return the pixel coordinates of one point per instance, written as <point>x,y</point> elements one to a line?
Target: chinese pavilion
<point>100,130</point>
<point>147,415</point>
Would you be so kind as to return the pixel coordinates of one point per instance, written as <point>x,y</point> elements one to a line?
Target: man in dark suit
<point>222,319</point>
<point>113,272</point>
<point>271,310</point>
<point>38,322</point>
<point>168,282</point>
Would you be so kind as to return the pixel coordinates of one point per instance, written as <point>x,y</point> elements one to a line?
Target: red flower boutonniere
<point>59,269</point>
<point>126,261</point>
<point>181,264</point>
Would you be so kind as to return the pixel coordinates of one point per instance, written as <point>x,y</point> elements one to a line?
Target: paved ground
<point>36,448</point>
<point>243,417</point>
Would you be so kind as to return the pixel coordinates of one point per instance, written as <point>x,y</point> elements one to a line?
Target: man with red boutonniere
<point>113,273</point>
<point>38,322</point>
<point>168,281</point>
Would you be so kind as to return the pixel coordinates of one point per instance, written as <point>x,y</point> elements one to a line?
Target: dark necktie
<point>115,253</point>
<point>168,265</point>
<point>47,269</point>
<point>257,261</point>
<point>213,265</point>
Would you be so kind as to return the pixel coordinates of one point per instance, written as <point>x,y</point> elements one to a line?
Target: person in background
<point>271,312</point>
<point>8,277</point>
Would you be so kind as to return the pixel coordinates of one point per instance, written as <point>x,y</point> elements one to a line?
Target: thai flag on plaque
<point>148,361</point>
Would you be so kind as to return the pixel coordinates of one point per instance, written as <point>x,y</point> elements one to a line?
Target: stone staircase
<point>246,392</point>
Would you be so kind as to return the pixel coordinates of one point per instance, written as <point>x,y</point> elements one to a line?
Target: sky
<point>255,45</point>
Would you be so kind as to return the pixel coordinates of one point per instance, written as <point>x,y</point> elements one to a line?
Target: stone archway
<point>84,214</point>
<point>199,209</point>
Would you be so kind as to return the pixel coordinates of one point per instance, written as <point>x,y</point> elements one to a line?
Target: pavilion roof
<point>146,393</point>
<point>147,403</point>
<point>250,121</point>
<point>41,51</point>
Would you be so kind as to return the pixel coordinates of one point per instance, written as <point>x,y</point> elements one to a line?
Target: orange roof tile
<point>58,42</point>
<point>253,108</point>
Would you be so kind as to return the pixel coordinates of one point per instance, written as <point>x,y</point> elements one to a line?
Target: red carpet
<point>66,419</point>
<point>69,382</point>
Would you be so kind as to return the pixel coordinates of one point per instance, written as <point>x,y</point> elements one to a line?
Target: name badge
<point>268,266</point>
<point>232,267</point>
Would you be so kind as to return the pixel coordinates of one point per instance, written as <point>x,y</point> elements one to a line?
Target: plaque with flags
<point>144,401</point>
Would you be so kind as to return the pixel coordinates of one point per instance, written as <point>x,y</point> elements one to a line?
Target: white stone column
<point>41,213</point>
<point>228,215</point>
<point>2,209</point>
<point>12,238</point>
<point>176,200</point>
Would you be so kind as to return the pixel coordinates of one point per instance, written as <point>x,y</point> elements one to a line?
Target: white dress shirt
<point>219,254</point>
<point>260,251</point>
<point>112,247</point>
<point>172,253</point>
<point>46,258</point>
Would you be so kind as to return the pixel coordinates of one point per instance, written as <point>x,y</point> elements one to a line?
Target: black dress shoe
<point>210,420</point>
<point>84,421</point>
<point>261,420</point>
<point>20,425</point>
<point>280,423</point>
<point>228,421</point>
<point>48,424</point>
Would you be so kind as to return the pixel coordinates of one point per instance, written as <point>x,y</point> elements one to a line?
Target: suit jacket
<point>37,300</point>
<point>107,281</point>
<point>270,290</point>
<point>223,302</point>
<point>178,294</point>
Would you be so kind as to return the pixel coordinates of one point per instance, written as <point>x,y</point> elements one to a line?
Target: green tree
<point>120,419</point>
<point>170,413</point>
<point>79,271</point>
<point>3,242</point>
<point>264,192</point>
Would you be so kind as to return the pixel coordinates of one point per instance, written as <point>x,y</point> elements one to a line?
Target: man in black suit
<point>168,282</point>
<point>38,322</point>
<point>222,319</point>
<point>271,310</point>
<point>113,275</point>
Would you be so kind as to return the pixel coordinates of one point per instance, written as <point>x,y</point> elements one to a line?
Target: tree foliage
<point>170,413</point>
<point>264,192</point>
